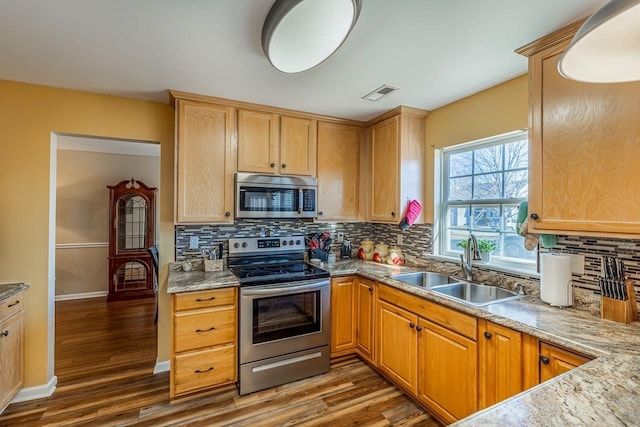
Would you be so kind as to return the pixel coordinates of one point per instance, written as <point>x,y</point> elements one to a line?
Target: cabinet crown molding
<point>563,35</point>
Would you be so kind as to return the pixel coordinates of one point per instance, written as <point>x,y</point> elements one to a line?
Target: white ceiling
<point>435,51</point>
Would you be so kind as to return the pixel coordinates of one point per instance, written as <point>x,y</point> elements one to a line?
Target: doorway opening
<point>81,169</point>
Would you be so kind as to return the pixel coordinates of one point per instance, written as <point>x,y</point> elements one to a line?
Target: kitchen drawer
<point>203,369</point>
<point>204,299</point>
<point>451,319</point>
<point>11,305</point>
<point>204,328</point>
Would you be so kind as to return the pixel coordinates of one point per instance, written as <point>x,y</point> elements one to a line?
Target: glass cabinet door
<point>132,224</point>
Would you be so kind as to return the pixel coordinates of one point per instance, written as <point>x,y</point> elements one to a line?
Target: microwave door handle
<point>300,201</point>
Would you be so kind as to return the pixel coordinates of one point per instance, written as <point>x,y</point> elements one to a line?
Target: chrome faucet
<point>468,253</point>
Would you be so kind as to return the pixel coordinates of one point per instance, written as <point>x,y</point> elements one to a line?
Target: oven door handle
<point>287,289</point>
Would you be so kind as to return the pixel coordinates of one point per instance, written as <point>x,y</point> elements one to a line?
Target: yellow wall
<point>28,116</point>
<point>494,111</point>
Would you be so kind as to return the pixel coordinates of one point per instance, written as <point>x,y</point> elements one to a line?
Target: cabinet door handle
<point>393,214</point>
<point>273,165</point>
<point>206,330</point>
<point>412,325</point>
<point>206,299</point>
<point>198,371</point>
<point>284,166</point>
<point>487,335</point>
<point>227,214</point>
<point>15,303</point>
<point>534,216</point>
<point>544,360</point>
<point>5,333</point>
<point>320,213</point>
<point>370,289</point>
<point>418,328</point>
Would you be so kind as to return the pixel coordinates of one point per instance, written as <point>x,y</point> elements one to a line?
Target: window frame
<point>442,176</point>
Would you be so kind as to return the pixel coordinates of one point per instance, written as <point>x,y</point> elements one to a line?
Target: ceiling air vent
<point>382,91</point>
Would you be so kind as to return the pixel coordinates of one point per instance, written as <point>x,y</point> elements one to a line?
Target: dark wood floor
<point>105,354</point>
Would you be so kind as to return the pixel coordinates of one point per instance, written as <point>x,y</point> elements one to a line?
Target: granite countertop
<point>605,391</point>
<point>7,290</point>
<point>197,279</point>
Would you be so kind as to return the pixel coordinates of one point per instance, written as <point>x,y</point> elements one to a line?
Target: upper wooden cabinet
<point>258,135</point>
<point>338,172</point>
<point>397,154</point>
<point>205,162</point>
<point>272,144</point>
<point>584,139</point>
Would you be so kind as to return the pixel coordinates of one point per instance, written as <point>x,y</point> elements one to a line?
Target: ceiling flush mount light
<point>299,34</point>
<point>606,49</point>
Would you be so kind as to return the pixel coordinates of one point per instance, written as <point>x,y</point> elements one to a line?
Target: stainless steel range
<point>285,314</point>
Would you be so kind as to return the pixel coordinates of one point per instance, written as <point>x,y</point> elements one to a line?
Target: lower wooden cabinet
<point>343,325</point>
<point>500,363</point>
<point>430,351</point>
<point>365,316</point>
<point>203,340</point>
<point>555,361</point>
<point>398,345</point>
<point>453,363</point>
<point>11,348</point>
<point>448,371</point>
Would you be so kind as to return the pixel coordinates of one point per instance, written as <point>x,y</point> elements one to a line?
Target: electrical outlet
<point>399,239</point>
<point>340,237</point>
<point>194,242</point>
<point>577,264</point>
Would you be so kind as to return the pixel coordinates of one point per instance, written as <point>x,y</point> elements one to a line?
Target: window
<point>483,185</point>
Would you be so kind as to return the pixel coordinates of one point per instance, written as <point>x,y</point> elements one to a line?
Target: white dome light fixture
<point>606,49</point>
<point>300,34</point>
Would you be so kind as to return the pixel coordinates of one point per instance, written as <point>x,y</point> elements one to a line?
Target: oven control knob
<point>284,243</point>
<point>244,244</point>
<point>236,245</point>
<point>291,242</point>
<point>298,242</point>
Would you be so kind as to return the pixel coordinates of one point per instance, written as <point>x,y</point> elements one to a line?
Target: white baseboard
<point>36,392</point>
<point>82,295</point>
<point>163,366</point>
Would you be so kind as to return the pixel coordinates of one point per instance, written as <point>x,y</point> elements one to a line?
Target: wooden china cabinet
<point>132,210</point>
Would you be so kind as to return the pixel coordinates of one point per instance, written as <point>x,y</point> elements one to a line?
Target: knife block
<point>619,310</point>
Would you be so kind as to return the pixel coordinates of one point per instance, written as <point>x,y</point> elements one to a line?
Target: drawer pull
<point>206,330</point>
<point>205,299</point>
<point>15,303</point>
<point>198,371</point>
<point>5,333</point>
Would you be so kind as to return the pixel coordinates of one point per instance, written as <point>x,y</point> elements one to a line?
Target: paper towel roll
<point>555,279</point>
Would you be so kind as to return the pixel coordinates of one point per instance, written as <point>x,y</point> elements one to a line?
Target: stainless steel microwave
<point>268,196</point>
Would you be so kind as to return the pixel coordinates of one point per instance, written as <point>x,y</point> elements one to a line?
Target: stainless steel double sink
<point>470,293</point>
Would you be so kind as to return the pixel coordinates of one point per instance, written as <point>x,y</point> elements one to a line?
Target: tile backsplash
<point>593,248</point>
<point>416,242</point>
